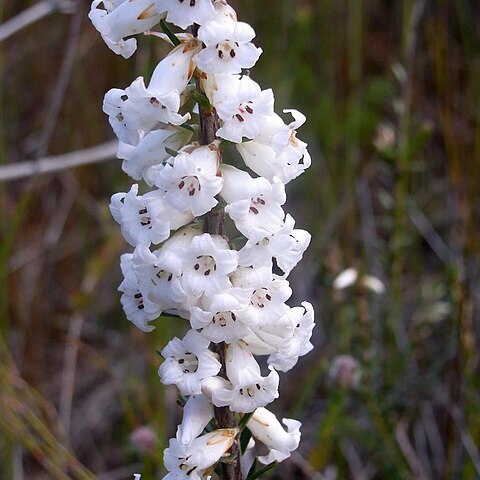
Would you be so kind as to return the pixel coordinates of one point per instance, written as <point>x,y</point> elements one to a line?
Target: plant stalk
<point>215,225</point>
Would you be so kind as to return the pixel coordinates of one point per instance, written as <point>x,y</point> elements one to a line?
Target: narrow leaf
<point>245,437</point>
<point>264,470</point>
<point>169,33</point>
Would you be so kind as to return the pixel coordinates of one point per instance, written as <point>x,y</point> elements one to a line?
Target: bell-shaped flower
<point>197,413</point>
<point>228,47</point>
<point>187,363</point>
<point>269,293</point>
<point>249,390</point>
<point>119,20</point>
<point>152,150</point>
<point>207,263</point>
<point>137,110</point>
<point>136,305</point>
<point>254,204</point>
<point>301,324</point>
<point>191,182</point>
<point>241,105</point>
<point>159,273</point>
<point>286,245</point>
<point>146,219</point>
<point>266,428</point>
<point>224,317</point>
<point>185,13</point>
<point>194,461</point>
<point>276,151</point>
<point>285,340</point>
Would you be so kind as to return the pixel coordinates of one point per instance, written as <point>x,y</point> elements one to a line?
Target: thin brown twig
<point>52,164</point>
<point>27,17</point>
<point>60,88</point>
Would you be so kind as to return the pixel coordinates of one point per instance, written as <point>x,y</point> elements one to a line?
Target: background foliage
<point>391,90</point>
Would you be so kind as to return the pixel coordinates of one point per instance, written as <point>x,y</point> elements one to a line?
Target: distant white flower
<point>191,183</point>
<point>249,390</point>
<point>187,363</point>
<point>267,429</point>
<point>228,47</point>
<point>345,279</point>
<point>123,19</point>
<point>242,106</point>
<point>145,219</point>
<point>372,283</point>
<point>207,262</point>
<point>254,203</point>
<point>184,13</point>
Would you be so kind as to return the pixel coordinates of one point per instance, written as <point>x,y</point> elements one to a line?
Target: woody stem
<point>215,225</point>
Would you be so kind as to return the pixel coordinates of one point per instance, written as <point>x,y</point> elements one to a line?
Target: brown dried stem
<point>215,225</point>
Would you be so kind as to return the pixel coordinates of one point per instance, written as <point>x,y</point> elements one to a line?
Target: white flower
<point>228,47</point>
<point>151,151</point>
<point>123,19</point>
<point>345,279</point>
<point>276,151</point>
<point>137,307</point>
<point>159,273</point>
<point>224,317</point>
<point>187,363</point>
<point>197,413</point>
<point>135,111</point>
<point>266,428</point>
<point>254,203</point>
<point>184,13</point>
<point>286,245</point>
<point>269,293</point>
<point>190,461</point>
<point>191,183</point>
<point>249,390</point>
<point>145,218</point>
<point>242,106</point>
<point>300,322</point>
<point>207,263</point>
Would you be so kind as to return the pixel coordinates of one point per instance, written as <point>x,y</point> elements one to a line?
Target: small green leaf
<point>202,100</point>
<point>171,152</point>
<point>188,127</point>
<point>169,33</point>
<point>253,467</point>
<point>254,476</point>
<point>245,419</point>
<point>245,437</point>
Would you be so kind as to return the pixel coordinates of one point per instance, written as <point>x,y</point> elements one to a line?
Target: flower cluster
<point>232,297</point>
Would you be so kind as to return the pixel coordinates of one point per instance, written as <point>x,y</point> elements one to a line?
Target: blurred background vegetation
<point>391,90</point>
